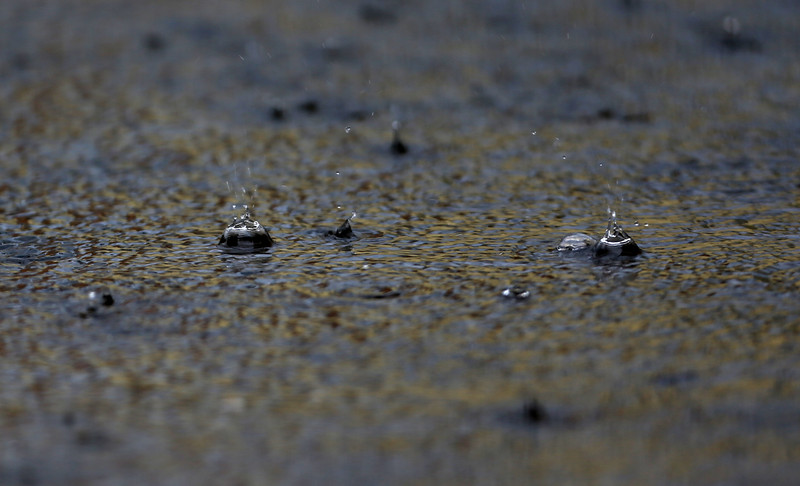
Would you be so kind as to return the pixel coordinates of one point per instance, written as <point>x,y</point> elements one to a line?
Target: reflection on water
<point>440,337</point>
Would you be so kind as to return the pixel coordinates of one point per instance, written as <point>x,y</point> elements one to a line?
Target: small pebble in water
<point>245,235</point>
<point>516,292</point>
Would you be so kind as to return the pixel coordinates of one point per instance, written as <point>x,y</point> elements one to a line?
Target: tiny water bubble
<point>347,129</point>
<point>533,133</point>
<point>563,157</point>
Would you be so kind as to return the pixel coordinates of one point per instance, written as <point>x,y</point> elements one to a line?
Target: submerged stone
<point>245,235</point>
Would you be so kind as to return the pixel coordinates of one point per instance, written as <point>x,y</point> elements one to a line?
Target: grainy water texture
<point>134,351</point>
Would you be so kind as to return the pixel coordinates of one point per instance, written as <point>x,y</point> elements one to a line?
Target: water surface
<point>128,130</point>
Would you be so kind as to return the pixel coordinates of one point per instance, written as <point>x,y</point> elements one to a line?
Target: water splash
<point>397,147</point>
<point>244,234</point>
<point>615,241</point>
<point>243,210</point>
<point>612,220</point>
<point>345,230</point>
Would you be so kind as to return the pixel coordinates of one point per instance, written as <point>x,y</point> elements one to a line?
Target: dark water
<point>128,130</point>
